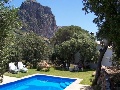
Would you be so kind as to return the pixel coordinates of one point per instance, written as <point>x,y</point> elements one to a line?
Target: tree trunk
<point>82,61</point>
<point>98,69</point>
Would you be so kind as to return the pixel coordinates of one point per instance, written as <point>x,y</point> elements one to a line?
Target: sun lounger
<point>13,68</point>
<point>22,67</point>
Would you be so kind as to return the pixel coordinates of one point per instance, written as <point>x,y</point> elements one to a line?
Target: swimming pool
<point>39,82</point>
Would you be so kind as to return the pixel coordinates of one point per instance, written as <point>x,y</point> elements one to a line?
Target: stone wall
<point>109,78</point>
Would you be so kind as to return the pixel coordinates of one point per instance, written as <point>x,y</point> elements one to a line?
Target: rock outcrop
<point>37,18</point>
<point>109,78</point>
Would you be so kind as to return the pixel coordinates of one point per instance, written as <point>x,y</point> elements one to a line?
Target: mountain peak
<point>31,0</point>
<point>37,18</point>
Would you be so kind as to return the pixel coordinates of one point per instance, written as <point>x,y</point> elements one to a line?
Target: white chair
<point>71,69</point>
<point>12,68</point>
<point>22,67</point>
<point>76,68</point>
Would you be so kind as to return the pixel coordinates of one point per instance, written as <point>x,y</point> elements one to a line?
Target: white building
<point>107,59</point>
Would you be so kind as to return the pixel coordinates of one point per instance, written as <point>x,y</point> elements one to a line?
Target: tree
<point>8,22</point>
<point>72,39</point>
<point>12,52</point>
<point>34,48</point>
<point>108,21</point>
<point>63,34</point>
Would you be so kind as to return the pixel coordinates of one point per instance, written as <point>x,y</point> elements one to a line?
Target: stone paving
<point>7,79</point>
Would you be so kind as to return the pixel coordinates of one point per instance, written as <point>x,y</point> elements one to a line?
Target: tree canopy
<point>108,21</point>
<point>72,39</point>
<point>8,22</point>
<point>34,47</point>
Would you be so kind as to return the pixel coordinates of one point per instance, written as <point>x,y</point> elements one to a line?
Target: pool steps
<point>67,83</point>
<point>63,85</point>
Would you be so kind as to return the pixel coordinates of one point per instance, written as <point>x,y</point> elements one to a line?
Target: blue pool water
<point>39,82</point>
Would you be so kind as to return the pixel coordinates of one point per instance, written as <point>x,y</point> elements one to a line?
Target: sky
<point>67,12</point>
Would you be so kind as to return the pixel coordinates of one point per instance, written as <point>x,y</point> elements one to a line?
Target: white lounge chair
<point>76,68</point>
<point>12,68</point>
<point>22,67</point>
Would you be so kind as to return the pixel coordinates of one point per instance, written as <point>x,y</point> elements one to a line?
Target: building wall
<point>107,59</point>
<point>98,47</point>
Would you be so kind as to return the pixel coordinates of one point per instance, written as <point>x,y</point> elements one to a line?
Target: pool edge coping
<point>77,81</point>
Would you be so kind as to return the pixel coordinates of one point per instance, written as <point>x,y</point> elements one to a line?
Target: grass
<point>85,75</point>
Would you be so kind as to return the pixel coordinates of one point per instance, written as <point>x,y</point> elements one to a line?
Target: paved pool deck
<point>74,86</point>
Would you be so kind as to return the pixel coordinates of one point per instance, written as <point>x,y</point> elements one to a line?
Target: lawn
<point>85,75</point>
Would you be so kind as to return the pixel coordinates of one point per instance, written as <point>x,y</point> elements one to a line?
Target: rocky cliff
<point>37,18</point>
